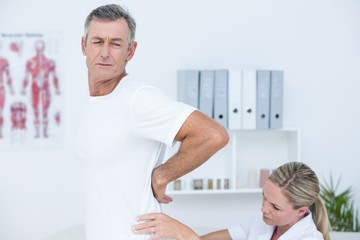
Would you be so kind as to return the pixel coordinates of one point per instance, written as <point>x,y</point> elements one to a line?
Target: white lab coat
<point>305,229</point>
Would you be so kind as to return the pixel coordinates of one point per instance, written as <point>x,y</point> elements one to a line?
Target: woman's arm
<point>218,235</point>
<point>163,226</point>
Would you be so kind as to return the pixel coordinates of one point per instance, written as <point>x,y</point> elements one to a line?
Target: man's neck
<point>104,87</point>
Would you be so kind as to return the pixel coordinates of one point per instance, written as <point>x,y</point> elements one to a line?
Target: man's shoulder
<point>130,84</point>
<point>139,88</point>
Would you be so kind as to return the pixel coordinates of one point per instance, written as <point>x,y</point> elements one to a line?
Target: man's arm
<point>200,137</point>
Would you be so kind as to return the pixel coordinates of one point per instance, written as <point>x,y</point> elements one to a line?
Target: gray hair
<point>301,187</point>
<point>111,12</point>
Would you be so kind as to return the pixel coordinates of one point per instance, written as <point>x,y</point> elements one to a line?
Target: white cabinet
<point>248,151</point>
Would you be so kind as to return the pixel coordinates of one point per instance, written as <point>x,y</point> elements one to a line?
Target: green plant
<point>340,207</point>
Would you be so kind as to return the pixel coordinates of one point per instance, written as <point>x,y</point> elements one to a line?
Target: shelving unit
<point>248,150</point>
<point>215,191</point>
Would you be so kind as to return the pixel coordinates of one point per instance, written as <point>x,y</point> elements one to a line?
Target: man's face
<point>107,49</point>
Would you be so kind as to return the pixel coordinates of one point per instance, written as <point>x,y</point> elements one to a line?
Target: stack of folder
<point>236,98</point>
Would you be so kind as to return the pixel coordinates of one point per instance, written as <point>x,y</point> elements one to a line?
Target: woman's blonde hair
<point>302,188</point>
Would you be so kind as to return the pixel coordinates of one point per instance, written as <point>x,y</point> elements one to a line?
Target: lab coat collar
<point>304,224</point>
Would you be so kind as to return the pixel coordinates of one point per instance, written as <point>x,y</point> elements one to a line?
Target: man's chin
<point>103,75</point>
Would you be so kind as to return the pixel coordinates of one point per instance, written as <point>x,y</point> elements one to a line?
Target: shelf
<point>208,192</point>
<point>241,161</point>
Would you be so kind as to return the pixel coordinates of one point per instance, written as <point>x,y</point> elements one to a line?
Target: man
<point>125,130</point>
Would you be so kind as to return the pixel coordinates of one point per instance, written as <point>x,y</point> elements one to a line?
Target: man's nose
<point>105,50</point>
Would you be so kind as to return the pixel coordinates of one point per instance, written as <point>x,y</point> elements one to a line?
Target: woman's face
<point>277,210</point>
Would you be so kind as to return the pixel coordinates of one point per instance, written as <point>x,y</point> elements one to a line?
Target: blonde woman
<point>291,210</point>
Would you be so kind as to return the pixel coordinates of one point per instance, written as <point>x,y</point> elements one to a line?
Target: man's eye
<point>97,42</point>
<point>116,45</point>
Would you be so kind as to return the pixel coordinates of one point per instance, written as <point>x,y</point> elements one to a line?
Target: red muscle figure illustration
<point>4,73</point>
<point>39,69</point>
<point>18,116</point>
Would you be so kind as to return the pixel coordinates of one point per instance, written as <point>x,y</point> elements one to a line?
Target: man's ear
<point>131,51</point>
<point>83,48</point>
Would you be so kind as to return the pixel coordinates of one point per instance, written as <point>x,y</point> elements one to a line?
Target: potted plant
<point>342,214</point>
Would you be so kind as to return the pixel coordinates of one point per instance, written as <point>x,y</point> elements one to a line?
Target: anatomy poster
<point>31,96</point>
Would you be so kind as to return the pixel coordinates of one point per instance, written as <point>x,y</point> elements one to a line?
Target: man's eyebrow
<point>117,39</point>
<point>96,38</point>
<point>111,39</point>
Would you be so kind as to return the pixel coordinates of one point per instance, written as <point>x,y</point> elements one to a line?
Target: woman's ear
<point>303,211</point>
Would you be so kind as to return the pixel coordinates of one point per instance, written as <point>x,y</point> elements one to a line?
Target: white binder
<point>221,97</point>
<point>276,99</point>
<point>263,99</point>
<point>188,86</point>
<point>235,99</point>
<point>249,99</point>
<point>206,100</point>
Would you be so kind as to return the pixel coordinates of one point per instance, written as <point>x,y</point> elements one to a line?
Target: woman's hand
<point>163,226</point>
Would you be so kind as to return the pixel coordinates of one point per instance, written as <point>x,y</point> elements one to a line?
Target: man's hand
<point>159,188</point>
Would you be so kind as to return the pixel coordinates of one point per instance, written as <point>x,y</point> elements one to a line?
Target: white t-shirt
<point>122,137</point>
<point>256,229</point>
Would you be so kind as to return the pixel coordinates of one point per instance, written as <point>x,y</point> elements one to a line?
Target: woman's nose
<point>264,207</point>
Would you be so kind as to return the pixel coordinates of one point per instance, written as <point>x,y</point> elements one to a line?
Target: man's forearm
<point>192,153</point>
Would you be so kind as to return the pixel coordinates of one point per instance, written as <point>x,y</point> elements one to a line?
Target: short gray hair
<point>111,12</point>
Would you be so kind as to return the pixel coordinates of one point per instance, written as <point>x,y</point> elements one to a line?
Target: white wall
<point>316,43</point>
